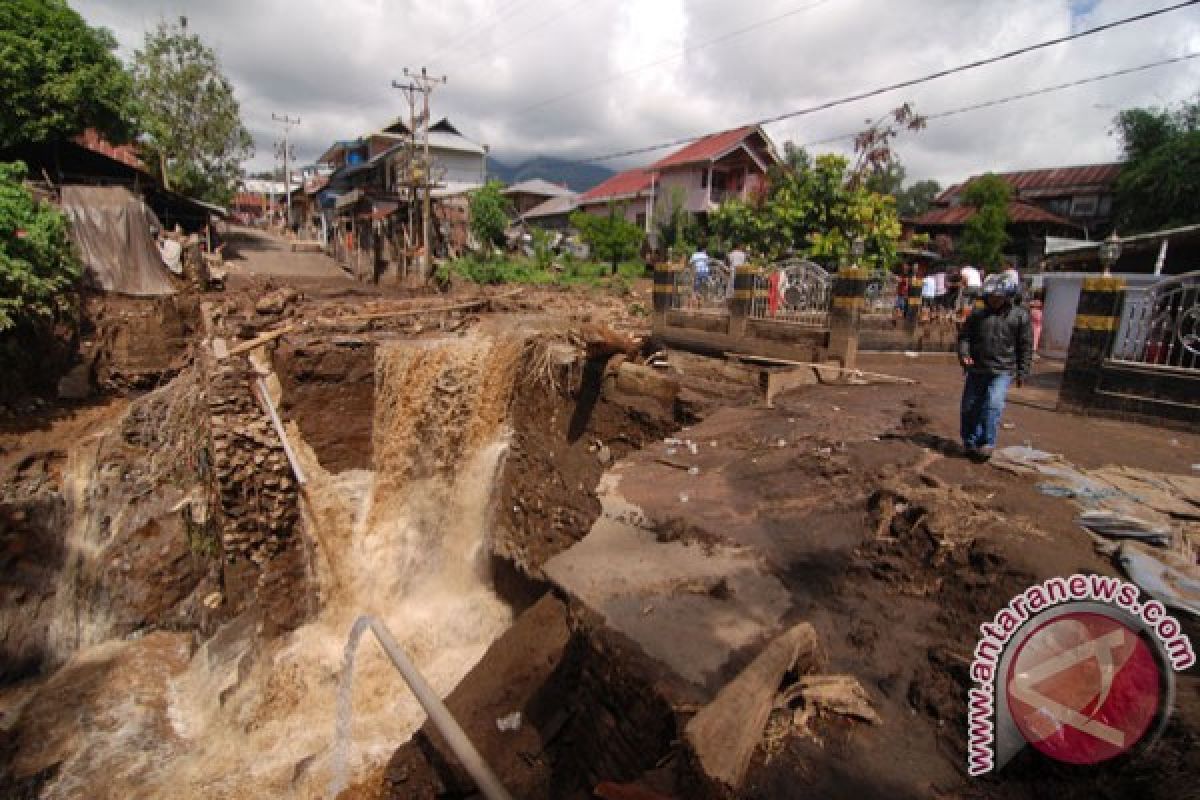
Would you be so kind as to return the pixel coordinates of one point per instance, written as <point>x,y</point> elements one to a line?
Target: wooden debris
<point>817,365</point>
<point>836,694</point>
<point>724,734</point>
<point>258,341</point>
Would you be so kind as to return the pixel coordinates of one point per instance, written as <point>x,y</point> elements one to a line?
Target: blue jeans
<point>982,404</point>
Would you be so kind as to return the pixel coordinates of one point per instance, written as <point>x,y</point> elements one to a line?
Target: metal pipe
<point>485,780</point>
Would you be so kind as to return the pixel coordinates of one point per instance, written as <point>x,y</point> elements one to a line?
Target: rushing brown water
<point>406,542</point>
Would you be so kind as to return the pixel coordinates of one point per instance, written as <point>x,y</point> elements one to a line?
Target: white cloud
<point>332,64</point>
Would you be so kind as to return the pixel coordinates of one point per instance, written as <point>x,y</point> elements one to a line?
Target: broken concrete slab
<point>690,606</point>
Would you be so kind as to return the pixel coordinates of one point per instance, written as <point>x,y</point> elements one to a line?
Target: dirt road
<point>250,251</point>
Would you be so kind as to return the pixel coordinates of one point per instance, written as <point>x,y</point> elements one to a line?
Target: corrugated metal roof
<point>1035,181</point>
<point>707,148</point>
<point>624,184</point>
<point>1017,212</point>
<point>564,204</point>
<point>538,186</point>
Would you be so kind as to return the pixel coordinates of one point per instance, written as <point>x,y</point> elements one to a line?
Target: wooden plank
<point>834,367</point>
<point>724,733</point>
<point>258,341</point>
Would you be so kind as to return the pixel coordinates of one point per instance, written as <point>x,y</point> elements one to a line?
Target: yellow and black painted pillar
<point>849,297</point>
<point>745,290</point>
<point>666,295</point>
<point>1097,319</point>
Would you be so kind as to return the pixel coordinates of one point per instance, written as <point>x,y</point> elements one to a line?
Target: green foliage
<point>527,271</point>
<point>916,199</point>
<point>611,237</point>
<point>187,108</point>
<point>1159,186</point>
<point>543,253</point>
<point>814,210</point>
<point>678,231</point>
<point>58,76</point>
<point>985,233</point>
<point>489,214</point>
<point>37,263</point>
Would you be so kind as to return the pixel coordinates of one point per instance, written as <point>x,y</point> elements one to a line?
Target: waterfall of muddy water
<point>406,543</point>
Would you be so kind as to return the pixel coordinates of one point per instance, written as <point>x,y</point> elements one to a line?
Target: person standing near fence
<point>995,347</point>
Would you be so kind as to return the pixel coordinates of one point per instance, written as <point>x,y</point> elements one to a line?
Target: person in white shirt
<point>737,258</point>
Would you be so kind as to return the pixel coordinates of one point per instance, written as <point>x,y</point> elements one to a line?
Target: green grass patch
<point>526,271</point>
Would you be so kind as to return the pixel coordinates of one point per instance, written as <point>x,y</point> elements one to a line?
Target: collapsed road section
<point>628,576</point>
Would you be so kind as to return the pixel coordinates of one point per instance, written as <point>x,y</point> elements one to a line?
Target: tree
<point>985,233</point>
<point>187,108</point>
<point>611,237</point>
<point>58,76</point>
<point>816,211</point>
<point>916,199</point>
<point>678,231</point>
<point>489,214</point>
<point>37,262</point>
<point>1159,186</point>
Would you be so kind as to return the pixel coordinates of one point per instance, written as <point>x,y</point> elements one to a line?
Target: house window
<point>704,179</point>
<point>1059,205</point>
<point>1084,206</point>
<point>1105,207</point>
<point>720,180</point>
<point>641,220</point>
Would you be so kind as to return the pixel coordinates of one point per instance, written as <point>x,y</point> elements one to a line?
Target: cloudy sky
<point>585,78</point>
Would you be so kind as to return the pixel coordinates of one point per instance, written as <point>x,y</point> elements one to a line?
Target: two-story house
<point>697,177</point>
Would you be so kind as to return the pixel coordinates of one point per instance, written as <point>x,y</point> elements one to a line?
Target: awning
<point>350,198</point>
<point>383,208</point>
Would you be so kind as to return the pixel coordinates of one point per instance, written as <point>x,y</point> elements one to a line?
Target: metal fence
<point>1160,325</point>
<point>793,291</point>
<point>881,294</point>
<point>708,290</point>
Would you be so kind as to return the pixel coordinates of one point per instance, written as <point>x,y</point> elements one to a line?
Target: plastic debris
<point>693,470</point>
<point>509,722</point>
<point>781,443</point>
<point>1121,526</point>
<point>683,497</point>
<point>1166,577</point>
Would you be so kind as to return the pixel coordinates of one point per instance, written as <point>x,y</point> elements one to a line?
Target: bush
<point>611,238</point>
<point>489,215</point>
<point>38,267</point>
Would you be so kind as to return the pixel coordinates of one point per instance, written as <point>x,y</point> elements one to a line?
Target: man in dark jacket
<point>995,346</point>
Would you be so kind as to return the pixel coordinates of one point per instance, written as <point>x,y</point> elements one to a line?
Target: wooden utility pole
<point>287,177</point>
<point>423,82</point>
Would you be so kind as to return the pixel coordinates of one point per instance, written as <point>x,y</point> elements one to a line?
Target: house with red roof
<point>698,177</point>
<point>1059,201</point>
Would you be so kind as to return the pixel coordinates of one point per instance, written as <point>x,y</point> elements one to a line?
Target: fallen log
<point>260,340</point>
<point>725,732</point>
<point>408,312</point>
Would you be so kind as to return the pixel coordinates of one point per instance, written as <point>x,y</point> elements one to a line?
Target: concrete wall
<point>1062,300</point>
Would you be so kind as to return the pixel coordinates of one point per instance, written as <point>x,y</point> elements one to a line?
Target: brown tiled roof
<point>706,149</point>
<point>1039,181</point>
<point>1018,212</point>
<point>125,153</point>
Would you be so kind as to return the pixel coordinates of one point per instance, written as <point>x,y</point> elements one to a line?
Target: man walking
<point>995,346</point>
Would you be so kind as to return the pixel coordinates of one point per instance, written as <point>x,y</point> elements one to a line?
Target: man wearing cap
<point>995,346</point>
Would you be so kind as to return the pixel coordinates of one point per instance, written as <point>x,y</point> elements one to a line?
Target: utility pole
<point>423,82</point>
<point>287,176</point>
<point>410,91</point>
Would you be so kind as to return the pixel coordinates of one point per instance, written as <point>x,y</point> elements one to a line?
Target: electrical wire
<point>910,82</point>
<point>1026,95</point>
<point>512,40</point>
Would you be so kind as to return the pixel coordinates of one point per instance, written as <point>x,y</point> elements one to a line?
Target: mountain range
<point>576,176</point>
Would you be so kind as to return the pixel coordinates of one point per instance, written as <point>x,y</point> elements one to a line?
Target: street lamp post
<point>1110,251</point>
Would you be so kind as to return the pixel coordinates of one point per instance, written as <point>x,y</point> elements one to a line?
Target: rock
<point>76,384</point>
<point>604,455</point>
<point>277,302</point>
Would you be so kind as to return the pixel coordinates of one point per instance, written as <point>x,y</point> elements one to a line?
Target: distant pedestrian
<point>1036,306</point>
<point>995,347</point>
<point>699,264</point>
<point>737,258</point>
<point>928,294</point>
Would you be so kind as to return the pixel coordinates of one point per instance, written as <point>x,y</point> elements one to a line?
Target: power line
<point>679,54</point>
<point>912,81</point>
<point>1026,95</point>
